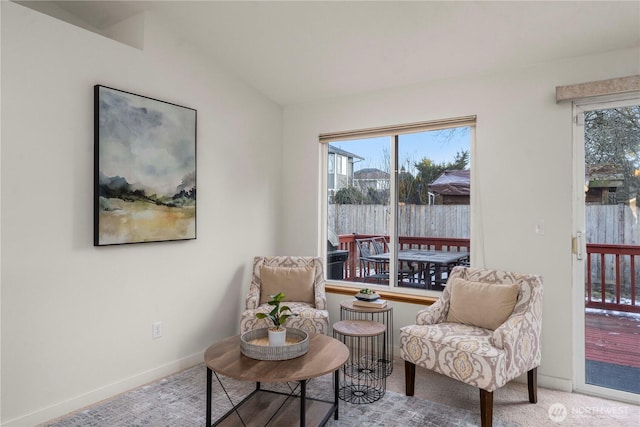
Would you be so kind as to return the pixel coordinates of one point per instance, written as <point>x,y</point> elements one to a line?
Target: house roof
<point>604,176</point>
<point>452,183</point>
<point>342,152</point>
<point>370,173</point>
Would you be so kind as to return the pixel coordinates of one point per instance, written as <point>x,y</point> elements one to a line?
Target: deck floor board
<point>612,339</point>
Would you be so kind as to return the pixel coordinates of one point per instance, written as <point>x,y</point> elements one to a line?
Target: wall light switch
<point>540,226</point>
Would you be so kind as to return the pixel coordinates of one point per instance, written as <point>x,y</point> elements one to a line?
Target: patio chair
<point>483,331</point>
<point>379,245</point>
<point>372,269</point>
<point>301,279</point>
<point>406,270</point>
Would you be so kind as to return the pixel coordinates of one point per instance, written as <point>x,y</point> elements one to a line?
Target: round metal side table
<point>362,378</point>
<point>384,315</point>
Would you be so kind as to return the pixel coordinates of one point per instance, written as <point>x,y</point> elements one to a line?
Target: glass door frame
<point>579,243</point>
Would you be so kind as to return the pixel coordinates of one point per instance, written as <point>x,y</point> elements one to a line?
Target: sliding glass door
<point>607,248</point>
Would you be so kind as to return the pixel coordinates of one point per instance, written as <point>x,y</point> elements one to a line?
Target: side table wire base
<point>363,378</point>
<point>368,367</point>
<point>358,393</point>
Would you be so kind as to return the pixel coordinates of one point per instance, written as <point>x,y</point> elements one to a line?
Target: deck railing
<point>612,277</point>
<point>612,283</point>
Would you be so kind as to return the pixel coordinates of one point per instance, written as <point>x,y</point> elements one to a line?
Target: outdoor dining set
<point>420,268</point>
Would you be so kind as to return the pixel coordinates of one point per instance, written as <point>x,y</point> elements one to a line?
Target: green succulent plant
<point>279,313</point>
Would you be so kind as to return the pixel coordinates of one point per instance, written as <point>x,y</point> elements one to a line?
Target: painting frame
<point>144,169</point>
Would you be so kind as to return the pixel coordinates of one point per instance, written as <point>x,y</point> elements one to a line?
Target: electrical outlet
<point>156,330</point>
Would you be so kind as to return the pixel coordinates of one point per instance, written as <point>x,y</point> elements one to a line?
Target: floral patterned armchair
<point>482,357</point>
<point>301,279</point>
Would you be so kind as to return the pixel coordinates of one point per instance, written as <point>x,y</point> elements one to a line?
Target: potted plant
<point>279,314</point>
<point>367,294</point>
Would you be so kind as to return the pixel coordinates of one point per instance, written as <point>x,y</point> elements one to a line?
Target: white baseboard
<point>553,383</point>
<point>94,396</point>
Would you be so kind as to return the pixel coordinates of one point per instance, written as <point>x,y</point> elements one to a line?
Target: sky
<point>439,146</point>
<point>148,142</point>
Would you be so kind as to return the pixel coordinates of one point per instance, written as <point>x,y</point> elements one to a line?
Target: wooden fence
<point>413,220</point>
<point>605,224</point>
<point>613,224</point>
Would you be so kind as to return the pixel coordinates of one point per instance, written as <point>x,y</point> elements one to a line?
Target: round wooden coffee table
<point>325,355</point>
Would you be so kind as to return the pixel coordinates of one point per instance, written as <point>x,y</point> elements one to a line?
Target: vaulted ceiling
<point>296,52</point>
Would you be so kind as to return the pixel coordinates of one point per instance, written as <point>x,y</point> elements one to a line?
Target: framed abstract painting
<point>144,169</point>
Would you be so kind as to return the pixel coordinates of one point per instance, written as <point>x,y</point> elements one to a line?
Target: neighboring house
<point>340,169</point>
<point>452,188</point>
<point>602,182</point>
<point>373,178</point>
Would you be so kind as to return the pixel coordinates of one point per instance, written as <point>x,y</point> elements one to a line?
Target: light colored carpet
<point>179,401</point>
<point>511,402</point>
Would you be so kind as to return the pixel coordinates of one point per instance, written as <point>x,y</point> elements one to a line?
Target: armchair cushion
<point>485,305</point>
<point>295,282</point>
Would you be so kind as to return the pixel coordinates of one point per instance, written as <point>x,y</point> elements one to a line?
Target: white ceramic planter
<point>277,338</point>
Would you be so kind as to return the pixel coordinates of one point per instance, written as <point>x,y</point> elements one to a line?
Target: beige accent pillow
<point>485,305</point>
<point>295,282</point>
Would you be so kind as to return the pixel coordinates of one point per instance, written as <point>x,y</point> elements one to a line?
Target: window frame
<point>391,292</point>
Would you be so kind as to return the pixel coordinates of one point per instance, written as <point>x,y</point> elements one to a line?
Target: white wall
<point>76,319</point>
<point>522,173</point>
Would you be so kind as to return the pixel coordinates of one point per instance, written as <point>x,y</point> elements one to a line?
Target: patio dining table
<point>432,264</point>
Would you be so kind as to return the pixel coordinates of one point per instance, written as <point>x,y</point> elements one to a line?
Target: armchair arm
<point>433,314</point>
<point>520,338</point>
<point>519,335</point>
<point>320,296</point>
<point>252,301</point>
<point>508,332</point>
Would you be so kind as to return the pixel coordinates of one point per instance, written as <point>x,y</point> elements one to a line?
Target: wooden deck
<point>613,339</point>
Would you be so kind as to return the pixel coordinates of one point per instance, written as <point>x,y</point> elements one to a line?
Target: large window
<point>400,218</point>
